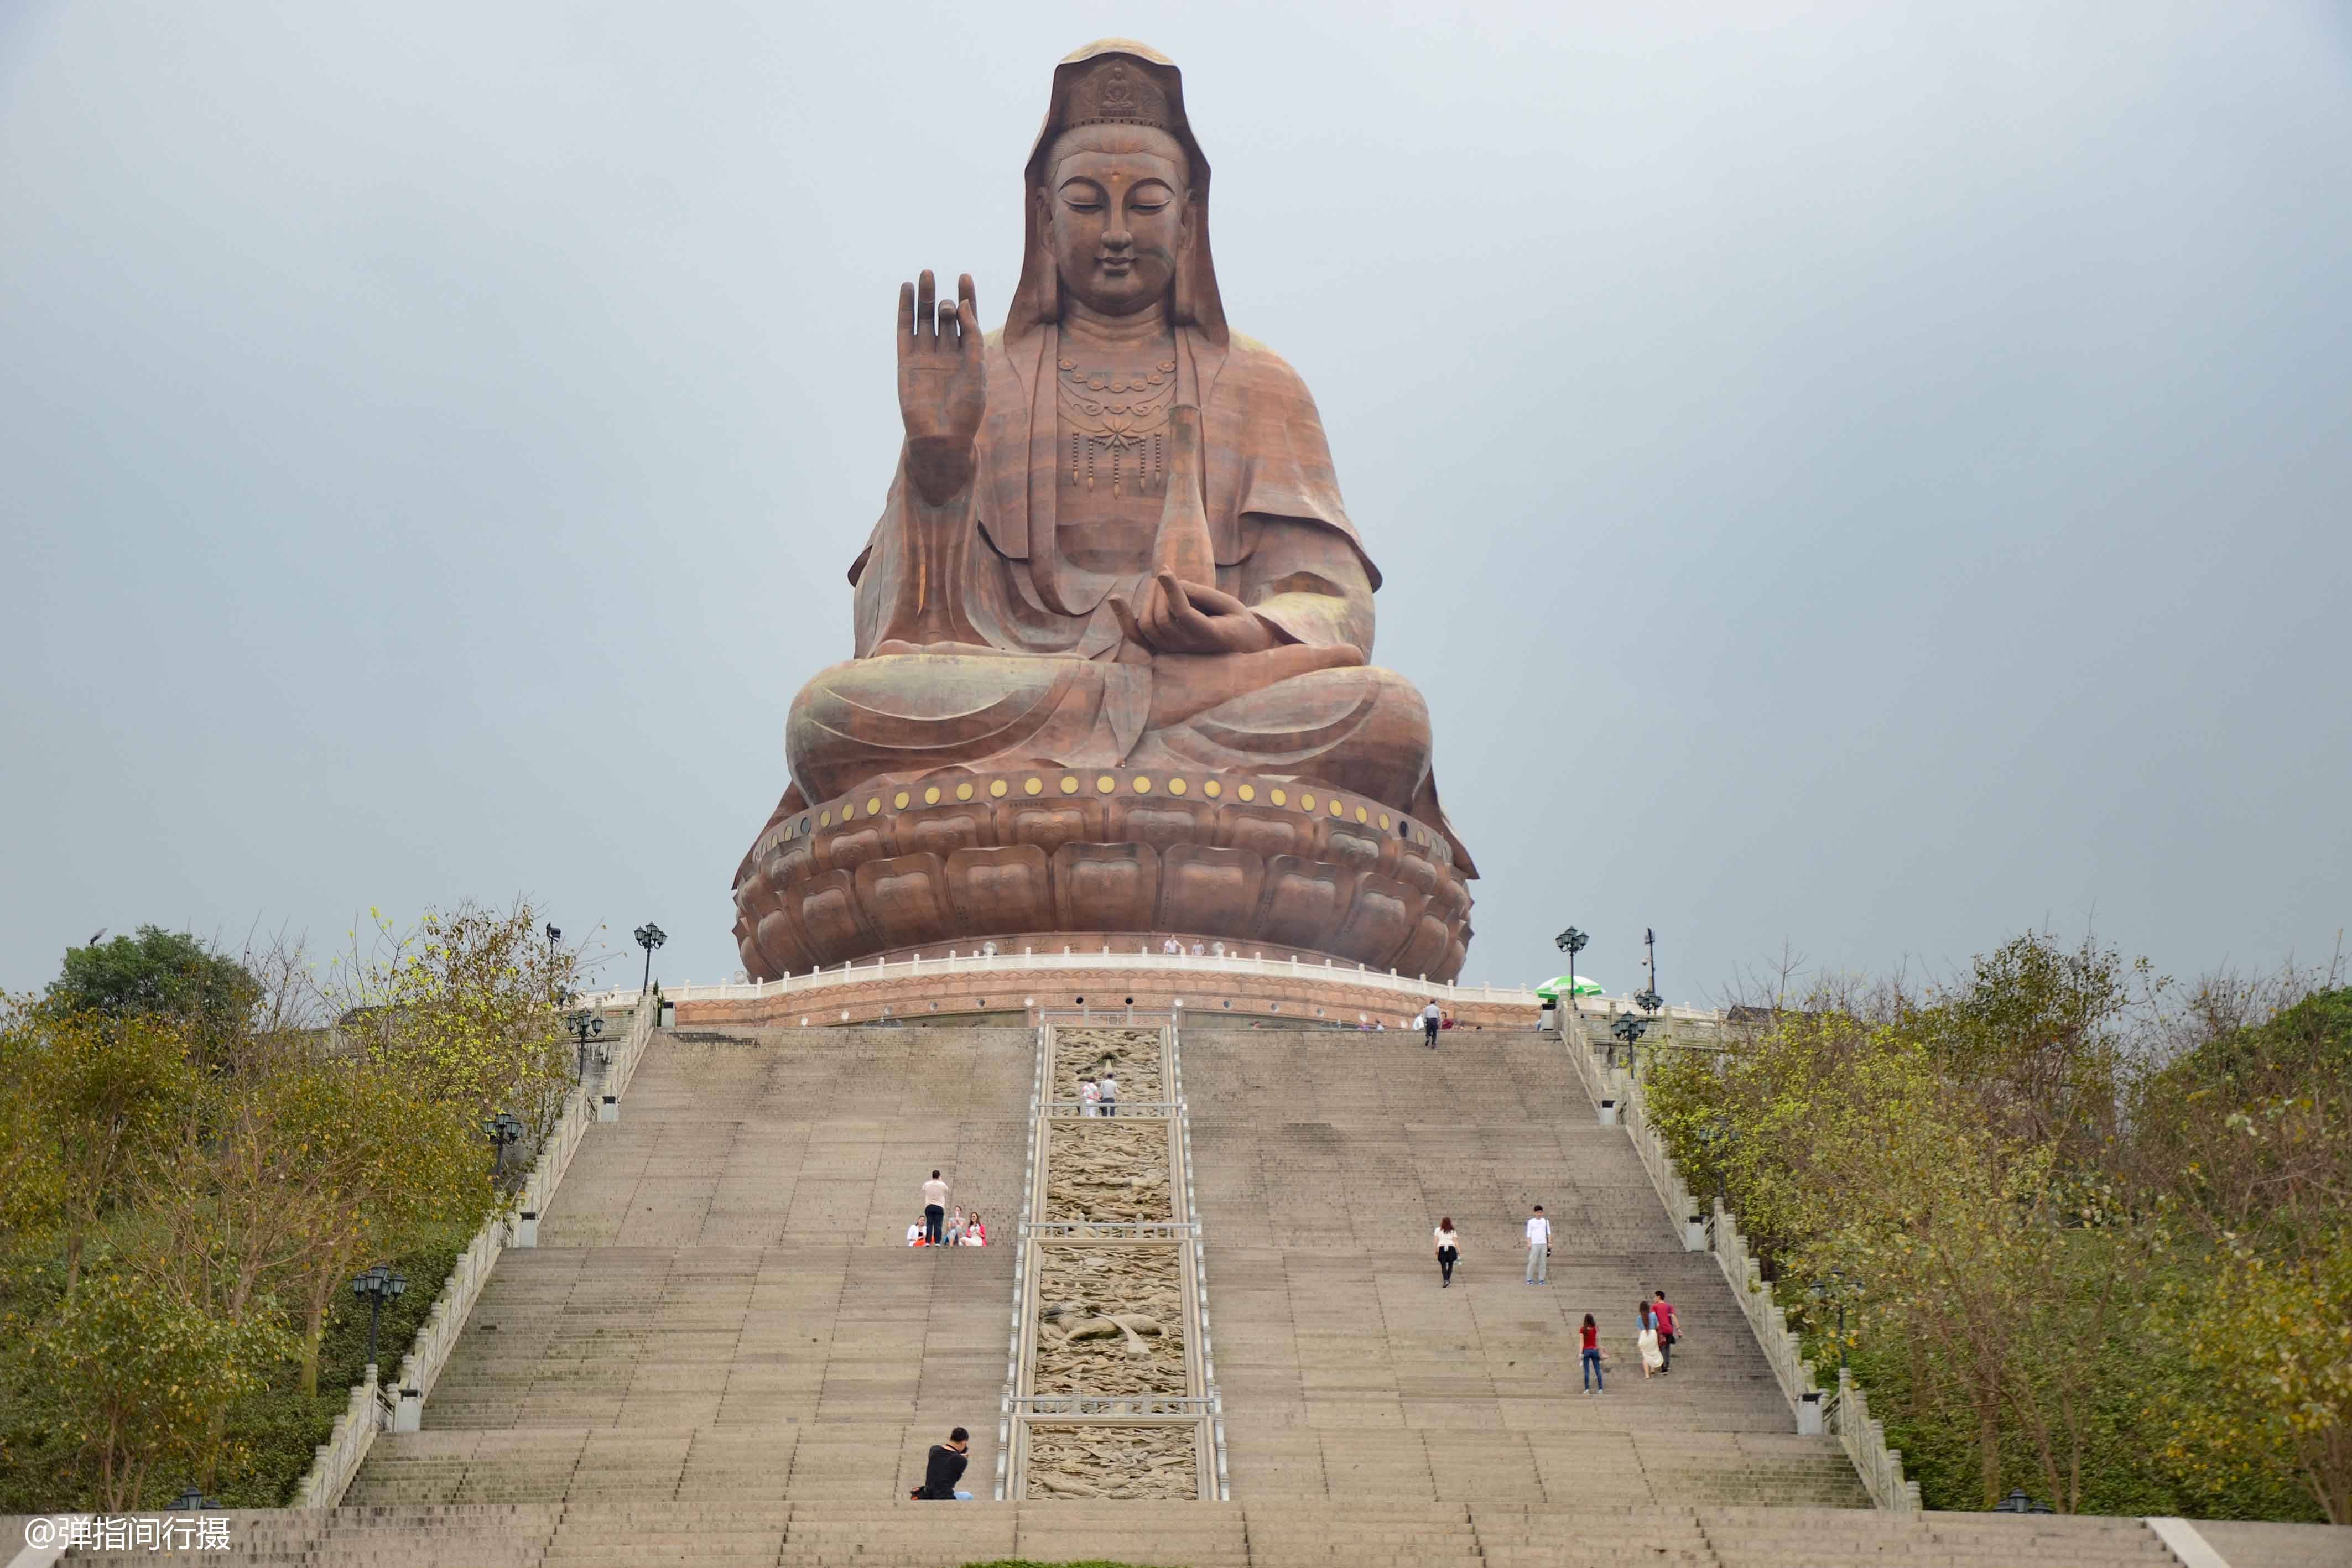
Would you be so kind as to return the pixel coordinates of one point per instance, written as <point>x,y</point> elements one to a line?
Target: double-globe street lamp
<point>1571,942</point>
<point>501,1130</point>
<point>1630,1030</point>
<point>585,1026</point>
<point>649,937</point>
<point>377,1286</point>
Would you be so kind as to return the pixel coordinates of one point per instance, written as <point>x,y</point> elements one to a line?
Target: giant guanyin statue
<point>1111,668</point>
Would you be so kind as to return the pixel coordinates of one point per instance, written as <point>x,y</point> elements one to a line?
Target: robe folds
<point>981,642</point>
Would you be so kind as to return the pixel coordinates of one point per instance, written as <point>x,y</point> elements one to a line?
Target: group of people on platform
<point>1655,1327</point>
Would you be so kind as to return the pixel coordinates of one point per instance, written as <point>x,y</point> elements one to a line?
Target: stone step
<point>1292,1534</point>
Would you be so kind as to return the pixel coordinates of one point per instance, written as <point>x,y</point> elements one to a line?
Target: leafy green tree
<point>358,1162</point>
<point>107,1095</point>
<point>162,973</point>
<point>2249,1135</point>
<point>468,1006</point>
<point>2036,1033</point>
<point>1964,1151</point>
<point>2270,1342</point>
<point>140,1371</point>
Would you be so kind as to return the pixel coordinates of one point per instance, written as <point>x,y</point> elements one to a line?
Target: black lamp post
<point>1571,942</point>
<point>649,937</point>
<point>585,1026</point>
<point>191,1501</point>
<point>501,1130</point>
<point>1650,944</point>
<point>377,1286</point>
<point>2018,1503</point>
<point>1628,1028</point>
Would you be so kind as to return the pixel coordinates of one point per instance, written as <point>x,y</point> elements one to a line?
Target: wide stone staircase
<point>1324,1160</point>
<point>722,1351</point>
<point>722,1307</point>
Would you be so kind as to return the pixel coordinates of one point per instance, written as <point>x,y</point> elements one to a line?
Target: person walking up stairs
<point>1539,1247</point>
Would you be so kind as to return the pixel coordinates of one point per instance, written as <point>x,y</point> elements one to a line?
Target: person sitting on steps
<point>942,1468</point>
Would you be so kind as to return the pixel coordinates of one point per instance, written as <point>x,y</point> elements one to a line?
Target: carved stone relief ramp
<point>1111,1389</point>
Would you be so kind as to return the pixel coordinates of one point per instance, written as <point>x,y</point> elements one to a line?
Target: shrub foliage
<point>198,1154</point>
<point>2088,1234</point>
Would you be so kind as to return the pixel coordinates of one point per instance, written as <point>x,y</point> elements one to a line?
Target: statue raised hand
<point>942,384</point>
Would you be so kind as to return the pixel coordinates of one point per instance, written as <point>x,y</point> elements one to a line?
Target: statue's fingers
<point>1127,621</point>
<point>927,294</point>
<point>906,315</point>
<point>1213,601</point>
<point>1143,610</point>
<point>1187,621</point>
<point>968,308</point>
<point>1157,617</point>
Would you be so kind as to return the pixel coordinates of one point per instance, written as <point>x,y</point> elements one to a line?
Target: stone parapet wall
<point>1313,993</point>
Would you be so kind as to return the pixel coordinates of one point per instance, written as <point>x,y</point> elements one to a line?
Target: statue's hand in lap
<point>1176,617</point>
<point>942,384</point>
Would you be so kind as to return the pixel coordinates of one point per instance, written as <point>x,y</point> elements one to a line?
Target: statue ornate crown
<point>1118,92</point>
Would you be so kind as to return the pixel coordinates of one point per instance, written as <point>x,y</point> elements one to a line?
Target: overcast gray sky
<point>1869,477</point>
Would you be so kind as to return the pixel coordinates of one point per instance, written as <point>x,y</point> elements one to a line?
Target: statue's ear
<point>1197,303</point>
<point>1041,287</point>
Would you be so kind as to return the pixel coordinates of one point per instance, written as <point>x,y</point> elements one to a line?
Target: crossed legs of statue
<point>1292,712</point>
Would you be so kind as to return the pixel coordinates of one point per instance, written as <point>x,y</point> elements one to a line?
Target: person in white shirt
<point>952,1234</point>
<point>915,1233</point>
<point>1430,1018</point>
<point>1539,1247</point>
<point>1171,948</point>
<point>935,1208</point>
<point>1449,1251</point>
<point>1090,1097</point>
<point>1109,1087</point>
<point>975,1233</point>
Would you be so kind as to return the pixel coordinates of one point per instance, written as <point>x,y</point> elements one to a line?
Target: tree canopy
<point>2089,1234</point>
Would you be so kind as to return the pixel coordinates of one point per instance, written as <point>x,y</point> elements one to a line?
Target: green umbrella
<point>1574,985</point>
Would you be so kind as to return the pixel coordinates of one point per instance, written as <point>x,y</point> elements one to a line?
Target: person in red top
<point>1665,1312</point>
<point>1590,1336</point>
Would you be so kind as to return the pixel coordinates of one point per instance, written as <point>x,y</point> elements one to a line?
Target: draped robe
<point>979,644</point>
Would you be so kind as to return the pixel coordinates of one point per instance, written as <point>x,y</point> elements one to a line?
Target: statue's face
<point>1116,216</point>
